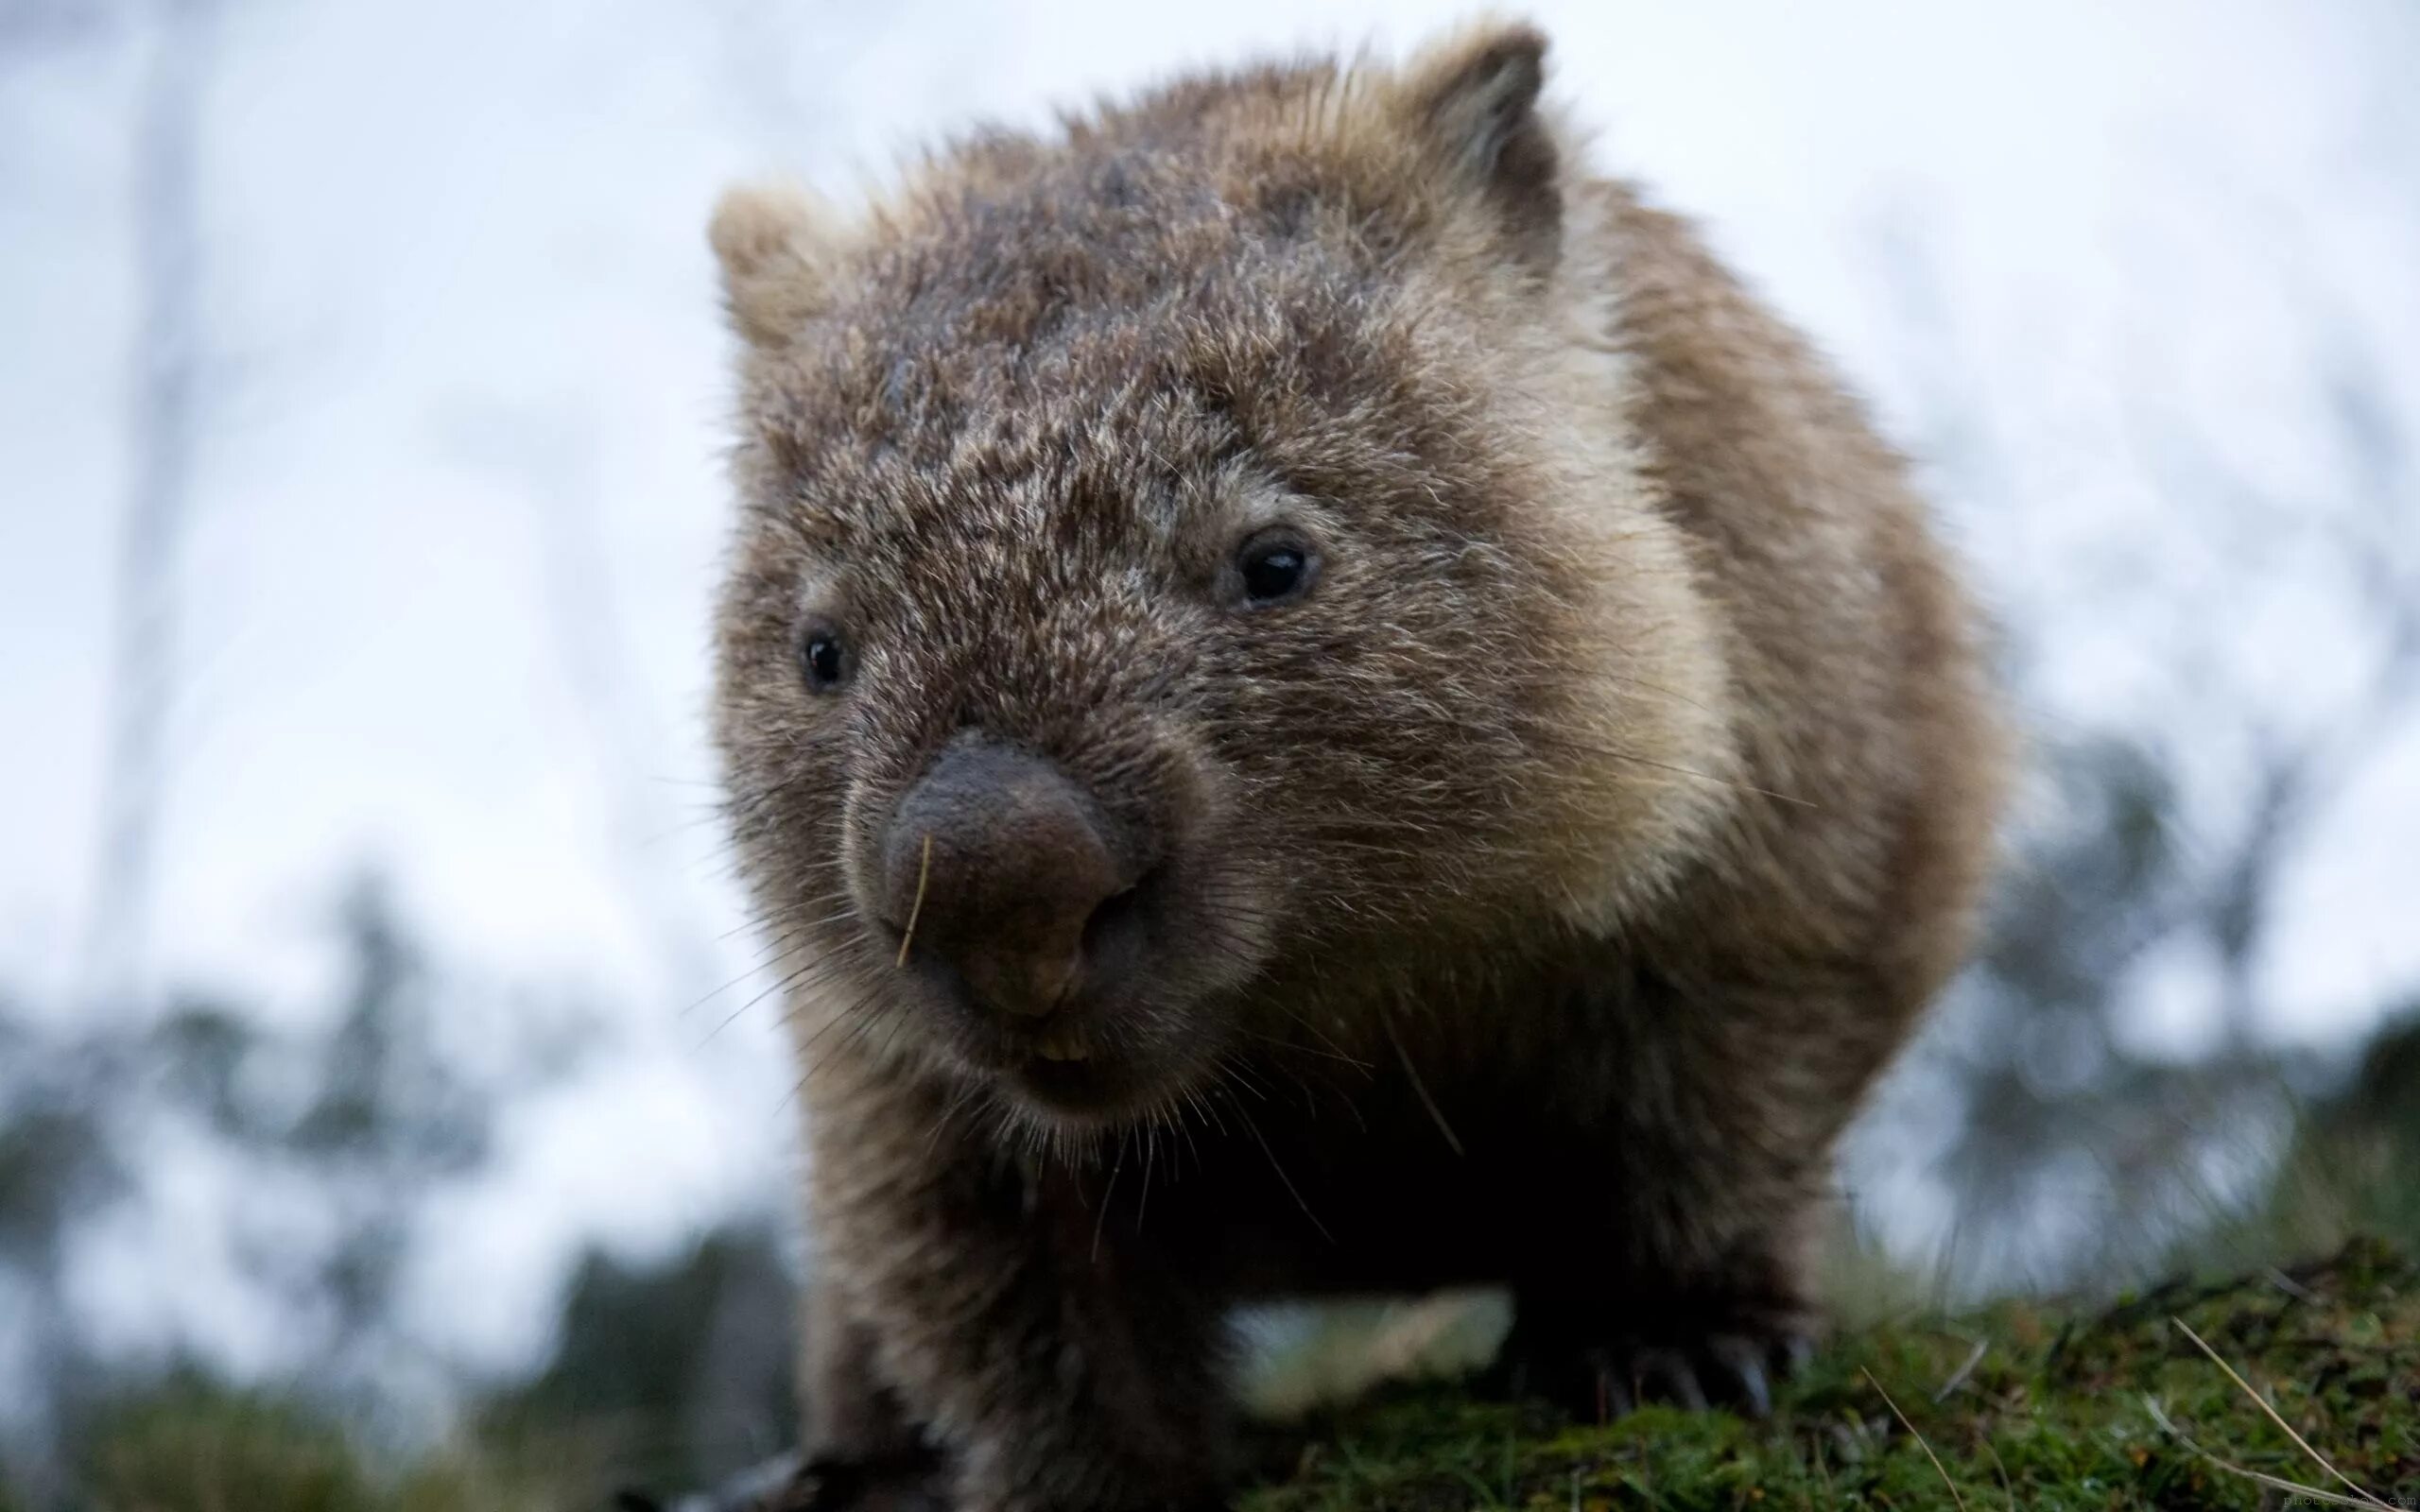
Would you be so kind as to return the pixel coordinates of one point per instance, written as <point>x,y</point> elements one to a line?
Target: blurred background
<point>381,1050</point>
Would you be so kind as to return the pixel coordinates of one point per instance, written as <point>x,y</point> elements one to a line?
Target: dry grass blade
<point>1958,1377</point>
<point>2262,1402</point>
<point>923,875</point>
<point>2275,1483</point>
<point>1943,1470</point>
<point>2000,1465</point>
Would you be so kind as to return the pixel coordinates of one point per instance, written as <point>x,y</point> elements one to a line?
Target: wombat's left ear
<point>776,243</point>
<point>1475,99</point>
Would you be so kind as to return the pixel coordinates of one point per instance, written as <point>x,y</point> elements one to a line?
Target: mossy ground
<point>2021,1407</point>
<point>2034,1406</point>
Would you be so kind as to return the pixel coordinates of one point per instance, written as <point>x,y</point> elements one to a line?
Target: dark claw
<point>1614,1399</point>
<point>1741,1361</point>
<point>1737,1362</point>
<point>1793,1353</point>
<point>1670,1371</point>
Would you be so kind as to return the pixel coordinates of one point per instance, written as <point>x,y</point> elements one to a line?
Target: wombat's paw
<point>1733,1362</point>
<point>902,1485</point>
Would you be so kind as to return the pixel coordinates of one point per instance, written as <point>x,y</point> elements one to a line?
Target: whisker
<point>923,875</point>
<point>1291,1190</point>
<point>1421,1086</point>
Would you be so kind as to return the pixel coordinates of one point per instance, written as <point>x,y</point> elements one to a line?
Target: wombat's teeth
<point>1063,1045</point>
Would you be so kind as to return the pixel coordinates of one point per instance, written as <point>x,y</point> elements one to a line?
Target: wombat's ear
<point>1474,98</point>
<point>776,243</point>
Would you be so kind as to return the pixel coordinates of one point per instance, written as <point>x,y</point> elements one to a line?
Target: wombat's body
<point>1409,734</point>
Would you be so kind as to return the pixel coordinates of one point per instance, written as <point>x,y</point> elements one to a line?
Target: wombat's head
<point>1187,562</point>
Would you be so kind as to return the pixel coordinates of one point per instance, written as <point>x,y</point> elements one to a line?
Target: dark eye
<point>1276,565</point>
<point>824,658</point>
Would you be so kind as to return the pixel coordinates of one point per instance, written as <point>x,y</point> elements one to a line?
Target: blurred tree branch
<point>162,442</point>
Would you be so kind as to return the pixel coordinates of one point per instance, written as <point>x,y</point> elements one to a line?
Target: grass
<point>194,1445</point>
<point>2018,1406</point>
<point>2277,1388</point>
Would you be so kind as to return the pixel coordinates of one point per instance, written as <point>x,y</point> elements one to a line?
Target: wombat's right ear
<point>775,244</point>
<point>1474,98</point>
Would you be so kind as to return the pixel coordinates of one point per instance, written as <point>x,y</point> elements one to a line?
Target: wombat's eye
<point>1276,566</point>
<point>823,657</point>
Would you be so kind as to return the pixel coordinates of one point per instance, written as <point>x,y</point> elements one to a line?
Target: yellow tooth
<point>1066,1043</point>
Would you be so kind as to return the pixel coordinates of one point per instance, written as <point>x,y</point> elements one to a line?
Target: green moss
<point>2029,1406</point>
<point>2023,1406</point>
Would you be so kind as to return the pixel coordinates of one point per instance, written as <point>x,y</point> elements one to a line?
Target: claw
<point>1736,1362</point>
<point>1672,1371</point>
<point>1792,1353</point>
<point>1614,1399</point>
<point>1742,1361</point>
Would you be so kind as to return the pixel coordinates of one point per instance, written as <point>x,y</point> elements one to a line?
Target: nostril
<point>1107,917</point>
<point>1113,936</point>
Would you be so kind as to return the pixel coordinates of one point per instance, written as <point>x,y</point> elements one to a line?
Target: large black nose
<point>1001,861</point>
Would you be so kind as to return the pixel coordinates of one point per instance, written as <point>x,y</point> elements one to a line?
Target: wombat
<point>1315,701</point>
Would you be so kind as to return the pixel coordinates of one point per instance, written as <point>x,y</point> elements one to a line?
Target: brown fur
<point>1547,887</point>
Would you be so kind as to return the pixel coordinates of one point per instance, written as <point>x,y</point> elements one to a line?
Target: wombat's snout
<point>999,864</point>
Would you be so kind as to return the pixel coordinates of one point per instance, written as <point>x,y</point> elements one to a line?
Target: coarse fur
<point>1536,897</point>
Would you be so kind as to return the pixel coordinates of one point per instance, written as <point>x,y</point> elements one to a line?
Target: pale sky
<point>460,509</point>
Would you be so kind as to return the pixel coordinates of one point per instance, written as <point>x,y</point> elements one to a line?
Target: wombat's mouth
<point>1065,1086</point>
<point>1060,1044</point>
<point>1072,1070</point>
<point>1061,1067</point>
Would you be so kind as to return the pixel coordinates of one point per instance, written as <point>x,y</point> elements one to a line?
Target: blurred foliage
<point>2352,1168</point>
<point>363,1118</point>
<point>664,1376</point>
<point>54,1164</point>
<point>685,1366</point>
<point>194,1444</point>
<point>2059,1118</point>
<point>191,1442</point>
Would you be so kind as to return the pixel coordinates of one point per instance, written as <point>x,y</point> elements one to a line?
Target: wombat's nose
<point>996,861</point>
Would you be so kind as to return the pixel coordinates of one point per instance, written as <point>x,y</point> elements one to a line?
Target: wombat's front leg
<point>1687,1277</point>
<point>1717,1336</point>
<point>1056,1363</point>
<point>861,1452</point>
